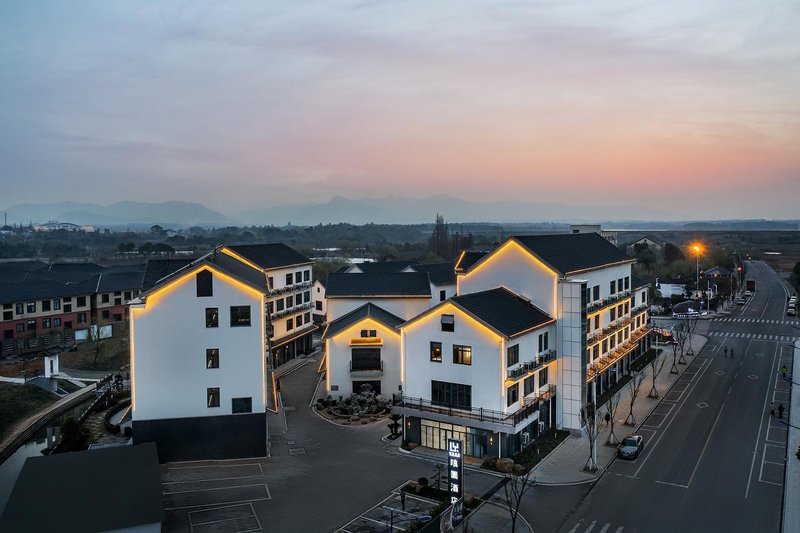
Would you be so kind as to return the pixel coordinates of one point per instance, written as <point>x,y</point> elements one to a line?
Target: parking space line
<point>212,466</point>
<point>216,488</point>
<point>208,480</point>
<point>215,505</point>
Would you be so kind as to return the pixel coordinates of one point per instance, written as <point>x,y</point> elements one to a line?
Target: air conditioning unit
<point>526,438</point>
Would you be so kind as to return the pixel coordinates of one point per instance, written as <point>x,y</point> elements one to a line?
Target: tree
<point>674,368</point>
<point>633,388</point>
<point>656,366</point>
<point>157,230</point>
<point>515,488</point>
<point>672,253</point>
<point>611,410</point>
<point>589,423</point>
<point>440,239</point>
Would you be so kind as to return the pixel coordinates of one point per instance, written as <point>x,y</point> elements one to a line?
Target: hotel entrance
<point>435,434</point>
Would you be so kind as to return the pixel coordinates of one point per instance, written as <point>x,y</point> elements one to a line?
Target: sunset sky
<point>693,106</point>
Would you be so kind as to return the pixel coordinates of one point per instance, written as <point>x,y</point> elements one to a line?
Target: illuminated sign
<point>455,479</point>
<point>366,341</point>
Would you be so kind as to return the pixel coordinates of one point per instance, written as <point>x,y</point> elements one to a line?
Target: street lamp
<point>697,249</point>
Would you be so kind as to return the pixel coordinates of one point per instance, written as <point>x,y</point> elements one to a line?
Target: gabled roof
<point>384,266</point>
<point>44,289</point>
<point>650,238</point>
<point>119,281</point>
<point>717,271</point>
<point>569,253</point>
<point>638,283</point>
<point>467,259</point>
<point>502,310</point>
<point>159,268</point>
<point>396,284</point>
<point>368,310</point>
<point>270,255</point>
<point>439,273</point>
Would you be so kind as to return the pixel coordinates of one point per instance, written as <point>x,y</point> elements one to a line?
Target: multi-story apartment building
<point>198,361</point>
<point>478,367</point>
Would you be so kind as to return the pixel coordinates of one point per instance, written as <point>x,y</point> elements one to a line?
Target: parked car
<point>630,447</point>
<point>791,312</point>
<point>747,294</point>
<point>740,301</point>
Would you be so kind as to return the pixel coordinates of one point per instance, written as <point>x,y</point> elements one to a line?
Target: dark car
<point>630,446</point>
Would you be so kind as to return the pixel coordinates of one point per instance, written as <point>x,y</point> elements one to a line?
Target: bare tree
<point>611,411</point>
<point>680,336</point>
<point>633,389</point>
<point>656,366</point>
<point>515,488</point>
<point>690,330</point>
<point>589,423</point>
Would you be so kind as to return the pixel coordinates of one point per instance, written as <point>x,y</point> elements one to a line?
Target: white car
<point>748,294</point>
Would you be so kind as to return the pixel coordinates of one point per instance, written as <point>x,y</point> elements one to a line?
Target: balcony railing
<point>530,366</point>
<point>366,367</point>
<point>291,311</point>
<point>618,353</point>
<point>529,407</point>
<point>290,288</point>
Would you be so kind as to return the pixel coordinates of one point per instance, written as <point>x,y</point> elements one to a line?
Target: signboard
<point>455,469</point>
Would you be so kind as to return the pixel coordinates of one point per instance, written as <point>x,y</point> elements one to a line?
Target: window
<point>436,352</point>
<point>612,288</point>
<point>20,309</point>
<point>512,394</point>
<point>544,341</point>
<point>605,346</point>
<point>644,296</point>
<point>529,385</point>
<point>45,305</point>
<point>81,318</point>
<point>7,306</point>
<point>298,277</point>
<point>298,299</point>
<point>241,405</point>
<point>318,305</point>
<point>451,394</point>
<point>448,323</point>
<point>212,358</point>
<point>462,355</point>
<point>543,377</point>
<point>619,337</point>
<point>442,295</point>
<point>627,282</point>
<point>620,310</point>
<point>106,314</point>
<point>597,321</point>
<point>365,359</point>
<point>369,333</point>
<point>612,314</point>
<point>20,328</point>
<point>619,284</point>
<point>289,278</point>
<point>8,335</point>
<point>56,305</point>
<point>212,317</point>
<point>240,316</point>
<point>105,298</point>
<point>306,296</point>
<point>289,301</point>
<point>307,275</point>
<point>117,301</point>
<point>298,321</point>
<point>67,308</point>
<point>612,342</point>
<point>31,325</point>
<point>8,315</point>
<point>627,307</point>
<point>289,324</point>
<point>81,301</point>
<point>596,292</point>
<point>127,295</point>
<point>31,307</point>
<point>512,355</point>
<point>307,317</point>
<point>270,282</point>
<point>279,305</point>
<point>56,322</point>
<point>117,317</point>
<point>212,397</point>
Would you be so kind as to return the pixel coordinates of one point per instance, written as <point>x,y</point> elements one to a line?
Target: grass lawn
<point>20,401</point>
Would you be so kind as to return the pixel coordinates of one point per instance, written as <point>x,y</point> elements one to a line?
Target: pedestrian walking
<point>772,408</point>
<point>403,498</point>
<point>608,419</point>
<point>726,351</point>
<point>732,354</point>
<point>784,370</point>
<point>780,410</point>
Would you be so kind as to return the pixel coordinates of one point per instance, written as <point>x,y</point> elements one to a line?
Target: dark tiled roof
<point>44,289</point>
<point>384,266</point>
<point>378,284</point>
<point>439,273</point>
<point>717,271</point>
<point>503,310</point>
<point>272,255</point>
<point>638,283</point>
<point>90,504</point>
<point>119,281</point>
<point>468,259</point>
<point>160,268</point>
<point>367,310</point>
<point>572,252</point>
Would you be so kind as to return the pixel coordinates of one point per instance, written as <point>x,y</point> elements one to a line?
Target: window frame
<point>462,355</point>
<point>212,317</point>
<point>239,321</point>
<point>433,347</point>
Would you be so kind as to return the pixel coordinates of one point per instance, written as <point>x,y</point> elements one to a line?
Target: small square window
<point>32,307</point>
<point>212,397</point>
<point>212,317</point>
<point>240,316</point>
<point>448,323</point>
<point>241,405</point>
<point>106,314</point>
<point>81,318</point>
<point>289,324</point>
<point>56,322</point>
<point>81,302</point>
<point>45,305</point>
<point>369,333</point>
<point>289,277</point>
<point>462,355</point>
<point>67,308</point>
<point>212,358</point>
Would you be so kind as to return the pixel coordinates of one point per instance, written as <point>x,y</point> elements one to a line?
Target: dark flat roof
<point>270,255</point>
<point>159,268</point>
<point>94,490</point>
<point>367,310</point>
<point>573,252</point>
<point>377,284</point>
<point>503,310</point>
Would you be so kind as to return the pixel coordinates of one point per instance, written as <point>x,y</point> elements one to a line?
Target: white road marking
<point>758,435</point>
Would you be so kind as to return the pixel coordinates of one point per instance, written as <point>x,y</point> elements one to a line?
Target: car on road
<point>791,312</point>
<point>740,301</point>
<point>630,446</point>
<point>747,294</point>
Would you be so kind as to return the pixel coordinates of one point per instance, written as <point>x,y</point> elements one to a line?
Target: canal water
<point>45,437</point>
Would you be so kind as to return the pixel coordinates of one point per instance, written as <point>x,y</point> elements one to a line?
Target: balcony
<point>366,368</point>
<point>618,353</point>
<point>291,311</point>
<point>290,288</point>
<point>602,305</point>
<point>414,406</point>
<point>527,367</point>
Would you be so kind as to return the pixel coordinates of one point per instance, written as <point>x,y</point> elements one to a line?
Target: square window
<point>289,324</point>
<point>318,305</point>
<point>436,352</point>
<point>81,302</point>
<point>289,277</point>
<point>105,298</point>
<point>240,316</point>
<point>106,314</point>
<point>32,307</point>
<point>31,325</point>
<point>56,322</point>
<point>56,305</point>
<point>212,317</point>
<point>448,323</point>
<point>117,301</point>
<point>462,355</point>
<point>8,315</point>
<point>241,405</point>
<point>81,318</point>
<point>127,295</point>
<point>20,328</point>
<point>67,308</point>
<point>212,397</point>
<point>212,358</point>
<point>45,305</point>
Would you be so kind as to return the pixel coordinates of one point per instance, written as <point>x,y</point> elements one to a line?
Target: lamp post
<point>697,249</point>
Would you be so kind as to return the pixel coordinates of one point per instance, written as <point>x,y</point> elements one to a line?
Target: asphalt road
<point>714,456</point>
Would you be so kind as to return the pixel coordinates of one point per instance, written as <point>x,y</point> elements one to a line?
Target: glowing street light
<point>697,249</point>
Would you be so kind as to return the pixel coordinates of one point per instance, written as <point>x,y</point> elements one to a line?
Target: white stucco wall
<point>402,307</point>
<point>513,267</point>
<point>168,351</point>
<point>449,292</point>
<point>338,351</point>
<point>318,295</point>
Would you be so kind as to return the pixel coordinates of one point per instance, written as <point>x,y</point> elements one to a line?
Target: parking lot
<point>390,511</point>
<point>213,496</point>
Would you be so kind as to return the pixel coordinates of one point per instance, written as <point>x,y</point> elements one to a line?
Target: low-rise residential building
<point>654,244</point>
<point>320,311</point>
<point>442,277</point>
<point>378,267</point>
<point>671,287</point>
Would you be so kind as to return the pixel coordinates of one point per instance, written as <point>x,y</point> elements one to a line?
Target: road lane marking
<point>699,459</point>
<point>758,435</point>
<point>672,484</point>
<point>605,528</point>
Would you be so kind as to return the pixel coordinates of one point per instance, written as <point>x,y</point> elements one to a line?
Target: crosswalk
<point>758,321</point>
<point>595,527</point>
<point>755,336</point>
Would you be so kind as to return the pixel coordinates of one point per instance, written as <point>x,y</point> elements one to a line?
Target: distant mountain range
<point>387,210</point>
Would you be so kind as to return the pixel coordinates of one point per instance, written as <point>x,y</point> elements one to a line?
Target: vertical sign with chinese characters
<point>455,469</point>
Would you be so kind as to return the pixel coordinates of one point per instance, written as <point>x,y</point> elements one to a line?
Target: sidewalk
<point>564,466</point>
<point>791,489</point>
